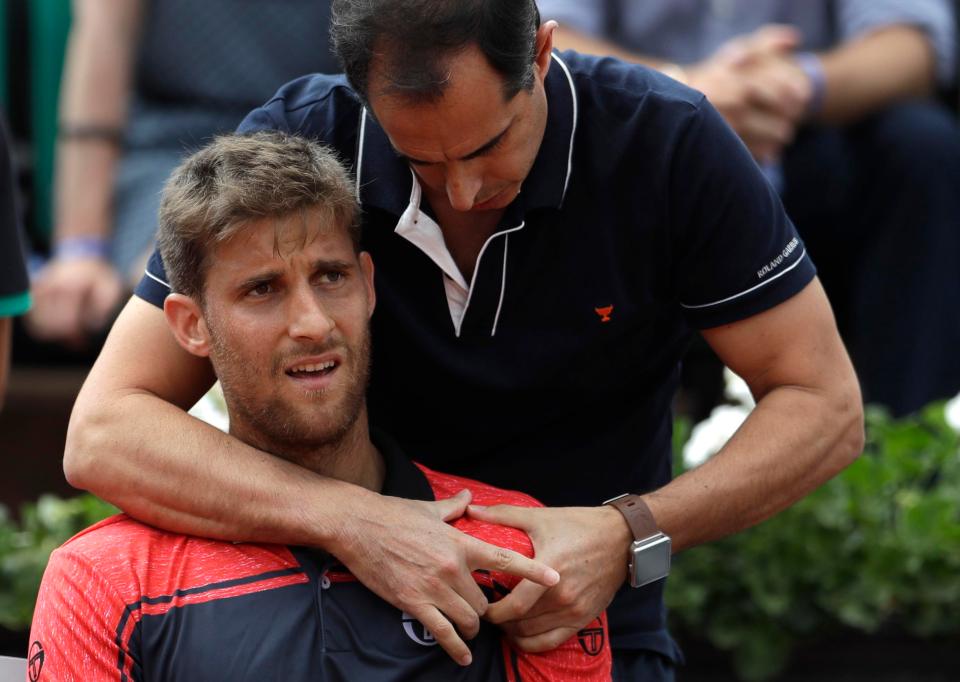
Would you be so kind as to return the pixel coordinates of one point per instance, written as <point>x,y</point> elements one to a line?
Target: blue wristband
<point>75,248</point>
<point>811,65</point>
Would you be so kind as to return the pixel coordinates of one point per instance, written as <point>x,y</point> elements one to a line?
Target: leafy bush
<point>26,546</point>
<point>878,546</point>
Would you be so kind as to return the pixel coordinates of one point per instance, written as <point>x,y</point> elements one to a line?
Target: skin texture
<point>129,419</point>
<point>75,297</point>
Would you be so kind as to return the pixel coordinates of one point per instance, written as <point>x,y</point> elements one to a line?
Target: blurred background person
<point>836,101</point>
<point>144,83</point>
<point>14,288</point>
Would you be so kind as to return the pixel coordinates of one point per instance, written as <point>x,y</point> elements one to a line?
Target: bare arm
<point>74,295</point>
<point>865,74</point>
<point>130,442</point>
<point>807,426</point>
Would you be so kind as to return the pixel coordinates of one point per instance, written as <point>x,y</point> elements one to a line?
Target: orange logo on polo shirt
<point>604,313</point>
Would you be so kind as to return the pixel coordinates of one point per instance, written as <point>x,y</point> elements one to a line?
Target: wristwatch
<point>650,551</point>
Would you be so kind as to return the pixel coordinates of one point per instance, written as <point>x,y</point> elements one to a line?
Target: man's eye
<point>332,277</point>
<point>261,289</point>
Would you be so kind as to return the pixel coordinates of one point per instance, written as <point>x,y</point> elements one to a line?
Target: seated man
<point>260,237</point>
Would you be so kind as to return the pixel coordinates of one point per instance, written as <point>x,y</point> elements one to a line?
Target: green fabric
<point>15,304</point>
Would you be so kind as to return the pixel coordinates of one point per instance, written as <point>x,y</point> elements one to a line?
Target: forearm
<point>866,74</point>
<point>168,469</point>
<point>97,78</point>
<point>794,440</point>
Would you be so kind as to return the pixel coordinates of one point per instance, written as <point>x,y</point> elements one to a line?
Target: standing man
<point>549,232</point>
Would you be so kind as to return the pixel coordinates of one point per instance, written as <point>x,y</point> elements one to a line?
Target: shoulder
<point>448,485</point>
<point>318,105</point>
<point>137,559</point>
<point>613,85</point>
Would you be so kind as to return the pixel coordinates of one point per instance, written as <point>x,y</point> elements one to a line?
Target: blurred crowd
<point>848,106</point>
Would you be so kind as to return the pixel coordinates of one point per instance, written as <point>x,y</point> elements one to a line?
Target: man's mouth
<point>311,370</point>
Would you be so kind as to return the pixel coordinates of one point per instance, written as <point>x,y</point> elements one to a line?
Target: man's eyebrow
<point>479,151</point>
<point>319,265</point>
<point>325,265</point>
<point>260,278</point>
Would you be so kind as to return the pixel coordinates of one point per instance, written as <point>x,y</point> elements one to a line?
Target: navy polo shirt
<point>643,219</point>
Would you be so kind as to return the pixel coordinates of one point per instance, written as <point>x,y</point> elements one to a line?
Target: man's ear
<point>185,319</point>
<point>544,47</point>
<point>366,267</point>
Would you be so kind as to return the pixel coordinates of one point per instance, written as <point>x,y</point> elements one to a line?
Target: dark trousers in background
<point>878,205</point>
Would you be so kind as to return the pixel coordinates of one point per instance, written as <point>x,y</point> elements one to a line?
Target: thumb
<point>453,507</point>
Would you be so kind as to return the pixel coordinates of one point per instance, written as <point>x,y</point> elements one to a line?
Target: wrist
<point>812,66</point>
<point>82,247</point>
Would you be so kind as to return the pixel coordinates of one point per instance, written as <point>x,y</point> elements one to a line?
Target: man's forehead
<point>266,241</point>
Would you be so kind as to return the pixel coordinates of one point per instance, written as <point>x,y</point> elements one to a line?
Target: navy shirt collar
<point>385,181</point>
<point>403,478</point>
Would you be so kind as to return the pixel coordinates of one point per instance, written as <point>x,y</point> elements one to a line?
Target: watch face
<point>651,560</point>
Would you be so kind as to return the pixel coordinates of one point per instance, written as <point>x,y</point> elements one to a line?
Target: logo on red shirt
<point>35,661</point>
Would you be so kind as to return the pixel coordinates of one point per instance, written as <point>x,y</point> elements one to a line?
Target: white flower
<point>953,413</point>
<point>212,408</point>
<point>713,433</point>
<point>736,389</point>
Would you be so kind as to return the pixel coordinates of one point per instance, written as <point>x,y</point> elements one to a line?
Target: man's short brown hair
<point>211,196</point>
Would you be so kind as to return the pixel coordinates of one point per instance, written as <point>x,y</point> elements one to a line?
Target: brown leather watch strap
<point>638,515</point>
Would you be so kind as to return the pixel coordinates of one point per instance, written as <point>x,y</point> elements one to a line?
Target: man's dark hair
<point>412,41</point>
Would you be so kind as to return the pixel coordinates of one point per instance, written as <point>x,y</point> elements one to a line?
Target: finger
<point>517,604</point>
<point>461,613</point>
<point>774,95</point>
<point>470,593</point>
<point>776,38</point>
<point>493,558</point>
<point>444,632</point>
<point>101,303</point>
<point>452,507</point>
<point>60,316</point>
<point>765,132</point>
<point>504,515</point>
<point>537,624</point>
<point>547,641</point>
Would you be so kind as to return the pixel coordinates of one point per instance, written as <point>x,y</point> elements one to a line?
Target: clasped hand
<point>404,551</point>
<point>587,545</point>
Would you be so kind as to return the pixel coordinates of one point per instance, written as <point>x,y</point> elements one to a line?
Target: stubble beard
<point>313,436</point>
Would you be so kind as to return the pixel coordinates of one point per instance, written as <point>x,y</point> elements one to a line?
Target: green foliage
<point>877,546</point>
<point>26,546</point>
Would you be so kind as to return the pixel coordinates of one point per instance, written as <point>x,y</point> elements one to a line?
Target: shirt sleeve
<point>736,252</point>
<point>933,17</point>
<point>78,630</point>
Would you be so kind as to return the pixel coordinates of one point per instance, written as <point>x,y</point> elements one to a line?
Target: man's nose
<point>308,318</point>
<point>463,185</point>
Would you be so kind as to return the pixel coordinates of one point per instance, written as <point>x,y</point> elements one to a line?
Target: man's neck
<point>353,458</point>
